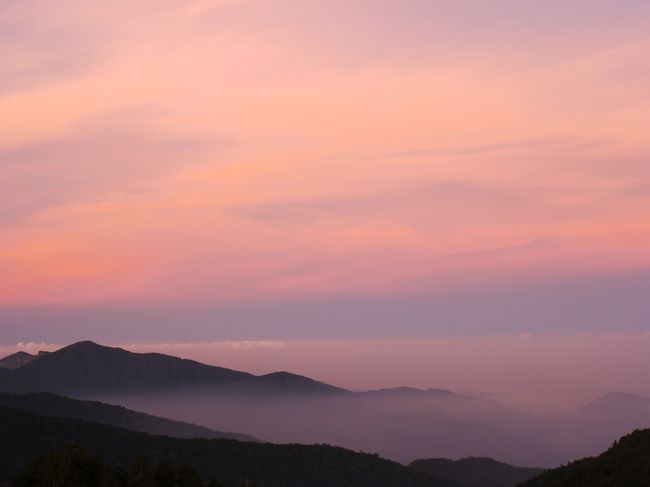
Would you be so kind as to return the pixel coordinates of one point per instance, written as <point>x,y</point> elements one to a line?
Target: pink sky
<point>229,149</point>
<point>198,171</point>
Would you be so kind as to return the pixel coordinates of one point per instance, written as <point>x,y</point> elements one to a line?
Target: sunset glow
<point>225,152</point>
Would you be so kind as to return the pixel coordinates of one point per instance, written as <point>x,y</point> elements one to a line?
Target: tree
<point>166,474</point>
<point>70,468</point>
<point>187,477</point>
<point>141,474</point>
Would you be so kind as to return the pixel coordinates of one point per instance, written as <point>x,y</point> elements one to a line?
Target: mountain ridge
<point>53,405</point>
<point>18,359</point>
<point>475,471</point>
<point>87,368</point>
<point>624,464</point>
<point>26,436</point>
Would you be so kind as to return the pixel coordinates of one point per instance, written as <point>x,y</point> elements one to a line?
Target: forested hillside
<point>625,464</point>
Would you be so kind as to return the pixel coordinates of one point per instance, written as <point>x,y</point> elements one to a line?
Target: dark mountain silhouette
<point>625,464</point>
<point>475,472</point>
<point>10,382</point>
<point>75,467</point>
<point>288,383</point>
<point>26,436</point>
<point>402,423</point>
<point>87,369</point>
<point>18,359</point>
<point>46,404</point>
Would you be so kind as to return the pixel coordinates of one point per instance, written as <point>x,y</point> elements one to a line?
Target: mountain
<point>402,429</point>
<point>26,436</point>
<point>614,402</point>
<point>592,428</point>
<point>401,423</point>
<point>88,369</point>
<point>18,359</point>
<point>625,464</point>
<point>10,382</point>
<point>475,472</point>
<point>46,404</point>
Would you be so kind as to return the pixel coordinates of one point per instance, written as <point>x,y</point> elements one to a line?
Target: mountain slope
<point>11,382</point>
<point>475,472</point>
<point>86,369</point>
<point>617,403</point>
<point>46,404</point>
<point>18,359</point>
<point>25,436</point>
<point>625,464</point>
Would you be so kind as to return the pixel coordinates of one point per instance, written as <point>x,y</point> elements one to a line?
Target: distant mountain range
<point>26,435</point>
<point>35,424</point>
<point>19,359</point>
<point>614,401</point>
<point>88,369</point>
<point>401,423</point>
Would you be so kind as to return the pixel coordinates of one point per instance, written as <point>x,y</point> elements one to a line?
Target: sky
<point>204,171</point>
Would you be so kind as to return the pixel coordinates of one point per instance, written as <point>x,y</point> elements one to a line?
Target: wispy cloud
<point>235,151</point>
<point>105,159</point>
<point>551,142</point>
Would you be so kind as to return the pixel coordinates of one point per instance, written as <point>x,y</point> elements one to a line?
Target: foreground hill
<point>46,404</point>
<point>26,436</point>
<point>475,472</point>
<point>625,464</point>
<point>87,369</point>
<point>75,467</point>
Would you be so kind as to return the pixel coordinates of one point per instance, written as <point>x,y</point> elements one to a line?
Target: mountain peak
<point>85,344</point>
<point>17,360</point>
<point>615,402</point>
<point>87,368</point>
<point>620,396</point>
<point>626,396</point>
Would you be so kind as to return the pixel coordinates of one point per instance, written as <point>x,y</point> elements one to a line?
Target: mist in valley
<point>406,424</point>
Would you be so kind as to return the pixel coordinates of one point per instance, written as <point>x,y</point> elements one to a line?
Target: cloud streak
<point>235,152</point>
